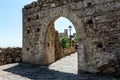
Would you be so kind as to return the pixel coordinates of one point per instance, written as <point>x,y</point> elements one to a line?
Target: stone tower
<point>66,32</point>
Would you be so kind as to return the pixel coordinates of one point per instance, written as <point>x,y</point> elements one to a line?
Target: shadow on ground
<point>37,72</point>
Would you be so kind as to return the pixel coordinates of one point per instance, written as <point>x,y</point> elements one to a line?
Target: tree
<point>65,42</point>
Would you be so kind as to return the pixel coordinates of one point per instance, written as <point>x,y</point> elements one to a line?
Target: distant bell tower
<point>66,32</point>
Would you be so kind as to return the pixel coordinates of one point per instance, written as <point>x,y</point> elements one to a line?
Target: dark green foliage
<point>65,42</point>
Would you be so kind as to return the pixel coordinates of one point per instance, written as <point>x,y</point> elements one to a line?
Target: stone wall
<point>68,51</point>
<point>50,44</point>
<point>10,55</point>
<point>97,25</point>
<point>58,47</point>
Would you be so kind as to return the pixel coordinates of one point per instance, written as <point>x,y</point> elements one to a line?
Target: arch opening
<point>62,38</point>
<point>66,34</point>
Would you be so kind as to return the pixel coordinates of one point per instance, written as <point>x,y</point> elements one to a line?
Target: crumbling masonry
<point>97,23</point>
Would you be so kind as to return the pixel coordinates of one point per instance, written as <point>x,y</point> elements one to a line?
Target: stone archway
<point>79,29</point>
<point>96,25</point>
<point>51,39</point>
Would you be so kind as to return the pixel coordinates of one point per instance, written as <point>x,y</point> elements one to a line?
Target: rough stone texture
<point>10,55</point>
<point>50,44</point>
<point>68,51</point>
<point>58,48</point>
<point>97,25</point>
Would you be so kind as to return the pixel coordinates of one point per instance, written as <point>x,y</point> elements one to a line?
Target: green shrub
<point>65,42</point>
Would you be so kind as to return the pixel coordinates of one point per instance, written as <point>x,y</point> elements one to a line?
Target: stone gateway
<point>97,23</point>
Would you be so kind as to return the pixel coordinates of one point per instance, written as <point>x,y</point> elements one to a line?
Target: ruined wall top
<point>47,4</point>
<point>41,5</point>
<point>62,1</point>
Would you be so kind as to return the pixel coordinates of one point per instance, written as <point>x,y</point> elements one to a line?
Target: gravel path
<point>63,69</point>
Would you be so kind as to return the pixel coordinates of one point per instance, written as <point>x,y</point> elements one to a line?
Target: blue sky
<point>11,22</point>
<point>63,23</point>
